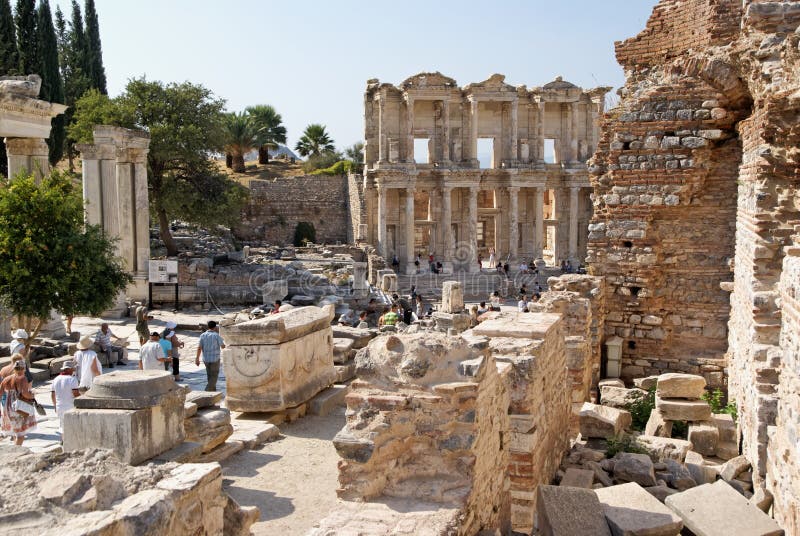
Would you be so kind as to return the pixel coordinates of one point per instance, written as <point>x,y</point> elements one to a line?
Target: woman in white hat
<point>64,392</point>
<point>19,416</point>
<point>88,364</point>
<point>17,346</point>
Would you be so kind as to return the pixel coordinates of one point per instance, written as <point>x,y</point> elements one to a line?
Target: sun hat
<point>20,334</point>
<point>171,325</point>
<point>67,365</point>
<point>85,343</point>
<point>169,335</point>
<point>19,364</point>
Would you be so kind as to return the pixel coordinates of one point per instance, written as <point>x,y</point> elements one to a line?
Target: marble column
<point>410,253</point>
<point>513,134</point>
<point>538,231</point>
<point>409,129</point>
<point>575,133</point>
<point>573,225</point>
<point>92,184</point>
<point>445,131</point>
<point>382,223</point>
<point>540,133</point>
<point>126,195</point>
<point>383,150</point>
<point>473,123</point>
<point>27,155</point>
<point>447,228</point>
<point>472,261</point>
<point>513,222</point>
<point>142,221</point>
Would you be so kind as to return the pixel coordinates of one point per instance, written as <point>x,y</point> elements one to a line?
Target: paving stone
<point>637,468</point>
<point>222,452</point>
<point>719,510</point>
<point>676,409</point>
<point>578,478</point>
<point>631,511</point>
<point>677,385</point>
<point>327,400</point>
<point>564,511</point>
<point>704,437</point>
<point>602,421</point>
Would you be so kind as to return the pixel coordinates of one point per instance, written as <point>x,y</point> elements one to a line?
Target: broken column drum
<point>279,361</point>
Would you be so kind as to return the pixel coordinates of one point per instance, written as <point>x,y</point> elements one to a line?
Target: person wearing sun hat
<point>64,392</point>
<point>17,346</point>
<point>88,364</point>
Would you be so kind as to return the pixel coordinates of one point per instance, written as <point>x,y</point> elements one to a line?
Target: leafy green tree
<point>94,49</point>
<point>48,258</point>
<point>9,57</point>
<point>270,127</point>
<point>241,137</point>
<point>186,126</point>
<point>25,20</point>
<point>355,154</point>
<point>52,86</point>
<point>314,141</point>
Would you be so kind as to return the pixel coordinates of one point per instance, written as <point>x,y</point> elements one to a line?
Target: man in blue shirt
<point>210,345</point>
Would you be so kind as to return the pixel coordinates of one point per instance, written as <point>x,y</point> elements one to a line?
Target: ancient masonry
<point>528,203</point>
<point>696,216</point>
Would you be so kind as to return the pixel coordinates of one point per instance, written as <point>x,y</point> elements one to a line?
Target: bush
<point>321,161</point>
<point>342,167</point>
<point>304,233</point>
<point>623,443</point>
<point>641,407</point>
<point>715,399</point>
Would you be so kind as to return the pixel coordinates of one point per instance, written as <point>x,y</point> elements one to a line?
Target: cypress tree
<point>72,42</point>
<point>52,86</point>
<point>25,20</point>
<point>97,73</point>
<point>9,59</point>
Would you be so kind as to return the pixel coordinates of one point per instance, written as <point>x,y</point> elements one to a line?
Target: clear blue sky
<point>311,59</point>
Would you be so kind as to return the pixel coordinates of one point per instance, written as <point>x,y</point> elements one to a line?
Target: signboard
<point>163,272</point>
<point>203,283</point>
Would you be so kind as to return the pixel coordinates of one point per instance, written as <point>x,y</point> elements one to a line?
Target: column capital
<point>513,189</point>
<point>27,146</point>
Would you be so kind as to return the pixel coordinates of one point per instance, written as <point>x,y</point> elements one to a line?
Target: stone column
<point>142,208</point>
<point>513,222</point>
<point>382,148</point>
<point>27,155</point>
<point>446,131</point>
<point>382,222</point>
<point>447,229</point>
<point>410,254</point>
<point>473,123</point>
<point>573,142</point>
<point>513,134</point>
<point>573,225</point>
<point>92,184</point>
<point>472,261</point>
<point>540,133</point>
<point>538,232</point>
<point>126,197</point>
<point>409,129</point>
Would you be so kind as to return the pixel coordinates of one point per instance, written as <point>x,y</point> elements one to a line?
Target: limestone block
<point>665,447</point>
<point>189,409</point>
<point>601,421</point>
<point>278,328</point>
<point>342,350</point>
<point>600,475</point>
<point>222,452</point>
<point>679,476</point>
<point>733,467</point>
<point>129,389</point>
<point>637,468</point>
<point>719,510</point>
<point>657,426</point>
<point>204,399</point>
<point>458,322</point>
<point>210,428</point>
<point>570,512</point>
<point>701,473</point>
<point>676,385</point>
<point>676,409</point>
<point>328,400</point>
<point>63,488</point>
<point>254,436</point>
<point>646,383</point>
<point>186,452</point>
<point>727,450</point>
<point>578,478</point>
<point>611,382</point>
<point>452,297</point>
<point>361,337</point>
<point>617,397</point>
<point>704,437</point>
<point>389,283</point>
<point>726,427</point>
<point>631,511</point>
<point>661,492</point>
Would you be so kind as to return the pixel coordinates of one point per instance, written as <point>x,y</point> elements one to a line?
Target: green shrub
<point>321,161</point>
<point>342,167</point>
<point>680,429</point>
<point>715,399</point>
<point>304,233</point>
<point>640,407</point>
<point>623,443</point>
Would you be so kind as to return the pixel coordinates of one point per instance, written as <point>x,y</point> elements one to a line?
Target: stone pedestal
<point>389,283</point>
<point>279,361</point>
<point>452,297</point>
<point>136,414</point>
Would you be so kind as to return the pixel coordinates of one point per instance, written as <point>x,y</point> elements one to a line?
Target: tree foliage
<point>185,123</point>
<point>9,58</point>
<point>355,154</point>
<point>94,49</point>
<point>314,141</point>
<point>48,259</point>
<point>52,85</point>
<point>25,21</point>
<point>241,137</point>
<point>271,131</point>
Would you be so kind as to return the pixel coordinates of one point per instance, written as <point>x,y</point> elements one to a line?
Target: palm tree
<point>314,141</point>
<point>241,137</point>
<point>355,154</point>
<point>271,132</point>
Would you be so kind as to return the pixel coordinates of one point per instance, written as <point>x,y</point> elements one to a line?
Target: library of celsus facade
<point>461,172</point>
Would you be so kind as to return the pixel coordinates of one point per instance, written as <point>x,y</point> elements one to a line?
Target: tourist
<point>438,267</point>
<point>416,263</point>
<point>507,269</point>
<point>166,347</point>
<point>177,344</point>
<point>141,324</point>
<point>494,299</point>
<point>473,316</point>
<point>64,392</point>
<point>151,354</point>
<point>276,307</point>
<point>88,364</point>
<point>480,263</point>
<point>523,267</point>
<point>18,346</point>
<point>19,414</point>
<point>362,321</point>
<point>210,345</point>
<point>482,308</point>
<point>491,257</point>
<point>523,289</point>
<point>522,304</point>
<point>348,318</point>
<point>390,318</point>
<point>420,307</point>
<point>9,369</point>
<point>431,263</point>
<point>102,345</point>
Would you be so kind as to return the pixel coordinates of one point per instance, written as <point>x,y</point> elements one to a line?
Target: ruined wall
<point>713,83</point>
<point>356,208</point>
<point>276,206</point>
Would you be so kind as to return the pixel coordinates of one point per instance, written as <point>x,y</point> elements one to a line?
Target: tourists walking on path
<point>19,415</point>
<point>210,345</point>
<point>151,354</point>
<point>89,366</point>
<point>64,392</point>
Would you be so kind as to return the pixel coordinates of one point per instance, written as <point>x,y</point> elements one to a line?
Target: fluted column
<point>447,228</point>
<point>538,232</point>
<point>383,150</point>
<point>540,133</point>
<point>410,255</point>
<point>472,265</point>
<point>382,222</point>
<point>473,123</point>
<point>445,131</point>
<point>126,210</point>
<point>513,134</point>
<point>513,222</point>
<point>27,155</point>
<point>573,142</point>
<point>409,129</point>
<point>573,224</point>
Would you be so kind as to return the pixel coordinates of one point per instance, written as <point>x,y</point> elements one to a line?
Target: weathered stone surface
<point>719,510</point>
<point>345,373</point>
<point>601,421</point>
<point>524,326</point>
<point>209,427</point>
<point>631,511</point>
<point>328,400</point>
<point>452,297</point>
<point>701,473</point>
<point>733,467</point>
<point>186,452</point>
<point>564,511</point>
<point>657,426</point>
<point>675,409</point>
<point>221,452</point>
<point>704,437</point>
<point>360,337</point>
<point>63,488</point>
<point>278,328</point>
<point>599,474</point>
<point>617,397</point>
<point>646,383</point>
<point>661,492</point>
<point>390,516</point>
<point>204,399</point>
<point>129,389</point>
<point>665,447</point>
<point>636,468</point>
<point>679,476</point>
<point>611,382</point>
<point>675,385</point>
<point>255,435</point>
<point>578,478</point>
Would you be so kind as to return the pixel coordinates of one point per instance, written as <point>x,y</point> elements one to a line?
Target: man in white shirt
<point>65,391</point>
<point>151,354</point>
<point>88,364</point>
<point>522,304</point>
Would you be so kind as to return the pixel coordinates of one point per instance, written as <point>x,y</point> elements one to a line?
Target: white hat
<point>67,365</point>
<point>85,343</point>
<point>171,325</point>
<point>169,335</point>
<point>20,334</point>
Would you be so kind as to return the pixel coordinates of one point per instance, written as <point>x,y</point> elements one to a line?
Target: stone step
<point>204,399</point>
<point>40,374</point>
<point>186,452</point>
<point>345,372</point>
<point>326,401</point>
<point>222,452</point>
<point>255,434</point>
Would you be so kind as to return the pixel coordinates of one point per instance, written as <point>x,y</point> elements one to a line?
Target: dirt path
<point>292,480</point>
